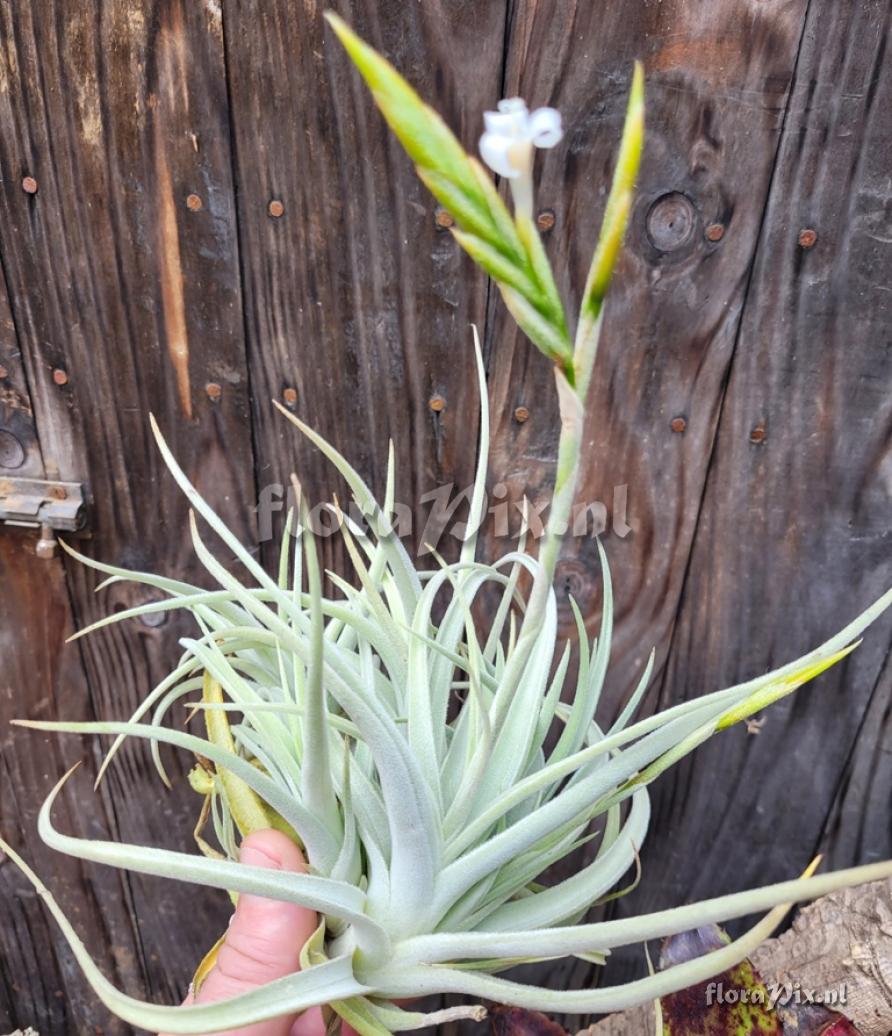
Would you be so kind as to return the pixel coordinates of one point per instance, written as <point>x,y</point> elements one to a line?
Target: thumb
<point>265,936</point>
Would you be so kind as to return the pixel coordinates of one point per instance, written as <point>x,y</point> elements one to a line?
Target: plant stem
<point>566,477</point>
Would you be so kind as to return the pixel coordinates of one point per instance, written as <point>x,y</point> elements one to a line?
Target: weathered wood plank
<point>19,449</point>
<point>357,306</point>
<point>40,985</point>
<point>37,674</point>
<point>793,535</point>
<point>715,110</point>
<point>123,273</point>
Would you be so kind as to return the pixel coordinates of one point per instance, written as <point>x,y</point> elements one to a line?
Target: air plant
<point>431,770</point>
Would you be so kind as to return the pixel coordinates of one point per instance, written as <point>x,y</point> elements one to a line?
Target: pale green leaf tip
<point>768,695</point>
<point>368,61</point>
<point>633,132</point>
<point>637,93</point>
<point>344,32</point>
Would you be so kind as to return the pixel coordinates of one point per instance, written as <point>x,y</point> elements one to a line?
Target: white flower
<point>507,144</point>
<point>513,131</point>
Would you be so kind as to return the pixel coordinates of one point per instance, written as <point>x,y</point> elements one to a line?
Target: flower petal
<point>511,119</point>
<point>495,151</point>
<point>514,105</point>
<point>502,123</point>
<point>544,127</point>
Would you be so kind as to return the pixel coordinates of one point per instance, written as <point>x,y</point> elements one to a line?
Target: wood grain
<point>724,125</point>
<point>354,299</point>
<point>792,535</point>
<point>812,369</point>
<point>19,448</point>
<point>714,114</point>
<point>120,114</point>
<point>40,985</point>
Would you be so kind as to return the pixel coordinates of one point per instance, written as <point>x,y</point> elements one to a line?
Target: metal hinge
<point>49,506</point>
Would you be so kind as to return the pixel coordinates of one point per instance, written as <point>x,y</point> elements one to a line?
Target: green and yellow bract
<point>412,758</point>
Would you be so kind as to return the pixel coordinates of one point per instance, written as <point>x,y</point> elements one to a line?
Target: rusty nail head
<point>521,414</point>
<point>213,390</point>
<point>545,220</point>
<point>757,435</point>
<point>193,202</point>
<point>678,424</point>
<point>276,208</point>
<point>29,185</point>
<point>290,396</point>
<point>437,403</point>
<point>807,237</point>
<point>58,492</point>
<point>443,219</point>
<point>715,231</point>
<point>60,377</point>
<point>4,373</point>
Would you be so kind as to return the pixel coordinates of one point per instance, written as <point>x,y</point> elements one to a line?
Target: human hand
<point>263,942</point>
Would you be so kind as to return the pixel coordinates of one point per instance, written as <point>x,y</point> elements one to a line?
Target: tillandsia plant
<point>431,770</point>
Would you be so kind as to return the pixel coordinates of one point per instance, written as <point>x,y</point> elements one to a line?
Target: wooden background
<point>743,394</point>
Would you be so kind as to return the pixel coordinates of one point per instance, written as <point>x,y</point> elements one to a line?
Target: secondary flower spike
<point>508,140</point>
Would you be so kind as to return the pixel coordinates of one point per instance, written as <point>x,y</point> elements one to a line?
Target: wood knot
<point>671,221</point>
<point>573,578</point>
<point>12,452</point>
<point>153,620</point>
